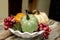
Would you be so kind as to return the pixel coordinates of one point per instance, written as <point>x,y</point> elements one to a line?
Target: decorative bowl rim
<point>26,33</point>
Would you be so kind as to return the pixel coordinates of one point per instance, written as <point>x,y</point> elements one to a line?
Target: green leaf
<point>17,26</point>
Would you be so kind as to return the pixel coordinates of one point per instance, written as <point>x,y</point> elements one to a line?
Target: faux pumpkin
<point>18,17</point>
<point>29,23</point>
<point>41,16</point>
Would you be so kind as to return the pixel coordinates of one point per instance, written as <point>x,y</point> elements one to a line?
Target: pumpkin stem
<point>36,11</point>
<point>27,16</point>
<point>30,12</point>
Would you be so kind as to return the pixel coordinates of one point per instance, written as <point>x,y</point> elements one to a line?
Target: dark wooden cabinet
<point>14,6</point>
<point>54,12</point>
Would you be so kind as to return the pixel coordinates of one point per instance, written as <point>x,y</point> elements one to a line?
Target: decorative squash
<point>18,17</point>
<point>41,16</point>
<point>29,23</point>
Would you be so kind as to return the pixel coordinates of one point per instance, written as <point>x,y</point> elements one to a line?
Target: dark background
<point>54,12</point>
<point>14,6</point>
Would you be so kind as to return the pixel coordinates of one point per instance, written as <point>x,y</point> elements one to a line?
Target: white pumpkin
<point>41,16</point>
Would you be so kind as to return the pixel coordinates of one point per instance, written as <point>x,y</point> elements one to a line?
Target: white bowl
<point>26,34</point>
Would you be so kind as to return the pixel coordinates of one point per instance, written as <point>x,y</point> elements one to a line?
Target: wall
<point>24,5</point>
<point>43,5</point>
<point>3,9</point>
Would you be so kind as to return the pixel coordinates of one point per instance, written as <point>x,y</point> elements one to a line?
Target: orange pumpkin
<point>18,17</point>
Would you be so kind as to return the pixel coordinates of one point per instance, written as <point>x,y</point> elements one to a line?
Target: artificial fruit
<point>29,23</point>
<point>41,16</point>
<point>18,17</point>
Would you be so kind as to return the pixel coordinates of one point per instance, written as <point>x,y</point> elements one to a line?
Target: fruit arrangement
<point>28,22</point>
